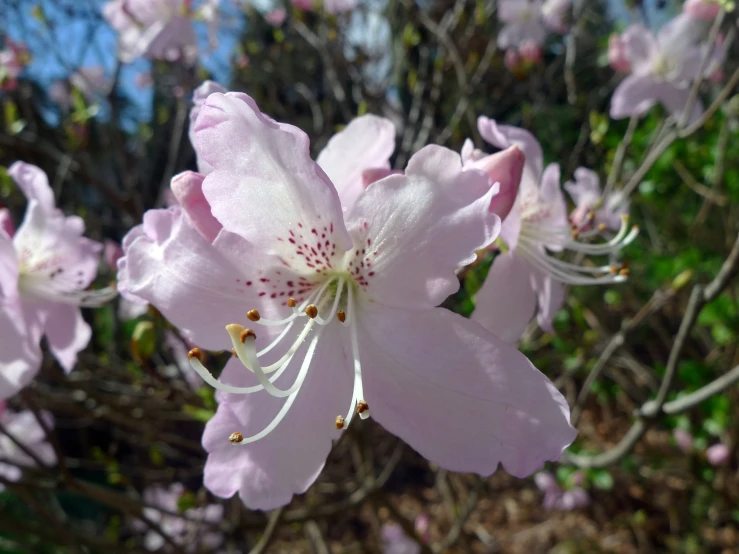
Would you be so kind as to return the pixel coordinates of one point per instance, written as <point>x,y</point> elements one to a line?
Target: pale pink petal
<point>265,187</point>
<point>550,296</point>
<point>199,96</point>
<point>546,482</point>
<point>112,252</point>
<point>462,398</point>
<point>174,268</point>
<point>66,333</point>
<point>187,188</point>
<point>553,198</point>
<point>276,17</point>
<point>8,268</point>
<point>506,302</point>
<point>640,47</point>
<point>635,95</point>
<point>339,6</point>
<point>20,357</point>
<point>505,136</point>
<point>705,10</point>
<point>419,228</point>
<point>176,40</point>
<point>366,143</point>
<point>555,14</point>
<point>6,222</point>
<point>617,54</point>
<point>675,100</point>
<point>506,169</point>
<point>718,455</point>
<point>34,184</point>
<point>268,472</point>
<point>374,174</point>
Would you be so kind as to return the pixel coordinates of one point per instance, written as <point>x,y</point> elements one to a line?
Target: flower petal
<point>264,184</point>
<point>461,397</point>
<point>187,188</point>
<point>20,358</point>
<point>506,302</point>
<point>8,268</point>
<point>505,136</point>
<point>640,46</point>
<point>635,95</point>
<point>199,96</point>
<point>268,472</point>
<point>421,227</point>
<point>366,143</point>
<point>171,266</point>
<point>66,332</point>
<point>34,184</point>
<point>506,169</point>
<point>550,296</point>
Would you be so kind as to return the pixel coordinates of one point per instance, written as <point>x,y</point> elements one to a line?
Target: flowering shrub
<point>354,276</point>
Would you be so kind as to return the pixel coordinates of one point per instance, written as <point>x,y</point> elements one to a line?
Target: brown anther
<point>602,227</point>
<point>195,353</point>
<point>311,311</point>
<point>339,422</point>
<point>575,233</point>
<point>591,214</point>
<point>253,315</point>
<point>614,269</point>
<point>635,228</point>
<point>233,353</point>
<point>245,334</point>
<point>236,438</point>
<point>291,302</point>
<point>362,407</point>
<point>341,316</point>
<point>625,272</point>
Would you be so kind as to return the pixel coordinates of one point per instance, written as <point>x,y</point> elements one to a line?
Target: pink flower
<point>198,99</point>
<point>45,269</point>
<point>526,278</point>
<point>662,67</point>
<point>718,455</point>
<point>12,61</point>
<point>155,29</point>
<point>343,301</point>
<point>523,21</point>
<point>395,541</point>
<point>25,428</point>
<point>705,10</point>
<point>276,17</point>
<point>684,440</point>
<point>617,57</point>
<point>555,498</point>
<point>193,531</point>
<point>591,208</point>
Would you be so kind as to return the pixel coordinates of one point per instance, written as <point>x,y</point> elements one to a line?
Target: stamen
<point>341,316</point>
<point>195,353</point>
<point>311,311</point>
<point>253,315</point>
<point>245,334</point>
<point>339,422</point>
<point>358,393</point>
<point>362,407</point>
<point>291,302</point>
<point>236,438</point>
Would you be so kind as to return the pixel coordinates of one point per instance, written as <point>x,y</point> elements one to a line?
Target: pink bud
<point>505,168</point>
<point>617,55</point>
<point>684,440</point>
<point>530,52</point>
<point>422,525</point>
<point>546,482</point>
<point>6,222</point>
<point>718,455</point>
<point>702,9</point>
<point>276,17</point>
<point>112,252</point>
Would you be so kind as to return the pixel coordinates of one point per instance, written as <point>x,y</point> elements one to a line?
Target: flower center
<point>333,300</point>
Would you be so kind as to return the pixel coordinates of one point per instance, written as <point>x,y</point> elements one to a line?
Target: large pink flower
<point>25,428</point>
<point>526,278</point>
<point>45,269</point>
<point>158,29</point>
<point>344,304</point>
<point>662,67</point>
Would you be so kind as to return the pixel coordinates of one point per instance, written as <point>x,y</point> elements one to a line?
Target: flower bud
<point>718,455</point>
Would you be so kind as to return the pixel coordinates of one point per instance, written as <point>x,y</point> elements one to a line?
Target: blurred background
<point>111,130</point>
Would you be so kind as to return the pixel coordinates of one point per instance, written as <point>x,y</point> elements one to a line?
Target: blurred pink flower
<point>302,5</point>
<point>395,541</point>
<point>194,531</point>
<point>718,455</point>
<point>339,6</point>
<point>25,428</point>
<point>45,269</point>
<point>350,282</point>
<point>155,29</point>
<point>555,13</point>
<point>705,10</point>
<point>683,439</point>
<point>112,252</point>
<point>13,59</point>
<point>662,67</point>
<point>526,279</point>
<point>90,81</point>
<point>530,52</point>
<point>591,209</point>
<point>530,20</point>
<point>511,59</point>
<point>555,498</point>
<point>617,57</point>
<point>276,17</point>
